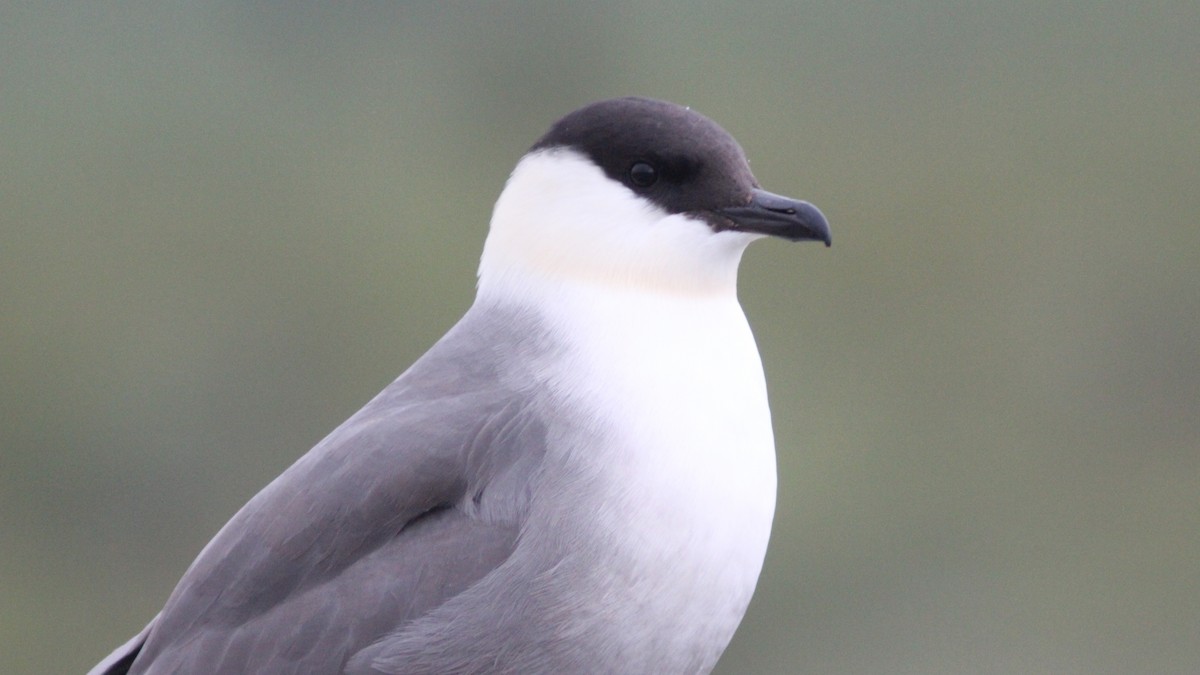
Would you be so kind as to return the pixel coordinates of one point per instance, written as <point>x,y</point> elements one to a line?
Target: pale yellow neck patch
<point>561,219</point>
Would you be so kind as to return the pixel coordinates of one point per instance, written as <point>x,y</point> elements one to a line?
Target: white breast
<point>677,382</point>
<point>679,457</point>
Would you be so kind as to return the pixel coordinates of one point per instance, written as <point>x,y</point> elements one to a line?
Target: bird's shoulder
<point>421,493</point>
<point>456,422</point>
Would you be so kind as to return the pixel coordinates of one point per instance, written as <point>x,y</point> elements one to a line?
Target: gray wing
<point>118,662</point>
<point>407,504</point>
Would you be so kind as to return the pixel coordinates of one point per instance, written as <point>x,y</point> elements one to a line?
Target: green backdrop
<point>224,226</point>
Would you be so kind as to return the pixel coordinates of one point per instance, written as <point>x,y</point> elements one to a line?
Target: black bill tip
<point>778,216</point>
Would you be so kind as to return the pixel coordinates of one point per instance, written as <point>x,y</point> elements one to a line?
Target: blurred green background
<point>224,226</point>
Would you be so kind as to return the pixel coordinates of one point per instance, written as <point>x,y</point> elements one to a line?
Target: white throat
<point>560,218</point>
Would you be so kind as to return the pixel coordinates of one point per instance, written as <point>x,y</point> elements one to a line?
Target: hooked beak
<point>778,216</point>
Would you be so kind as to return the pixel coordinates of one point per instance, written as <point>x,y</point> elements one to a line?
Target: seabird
<point>579,477</point>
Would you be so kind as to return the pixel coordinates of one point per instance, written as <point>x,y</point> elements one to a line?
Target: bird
<point>579,477</point>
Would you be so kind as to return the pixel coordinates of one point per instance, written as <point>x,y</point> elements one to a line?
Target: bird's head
<point>637,193</point>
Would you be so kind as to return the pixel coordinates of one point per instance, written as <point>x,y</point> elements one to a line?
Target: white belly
<point>690,467</point>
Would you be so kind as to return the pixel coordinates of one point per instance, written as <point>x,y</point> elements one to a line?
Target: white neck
<point>561,219</point>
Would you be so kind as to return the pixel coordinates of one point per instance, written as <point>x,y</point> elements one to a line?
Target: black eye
<point>642,174</point>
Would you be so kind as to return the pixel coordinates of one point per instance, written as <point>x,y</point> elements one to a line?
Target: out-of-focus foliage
<point>224,226</point>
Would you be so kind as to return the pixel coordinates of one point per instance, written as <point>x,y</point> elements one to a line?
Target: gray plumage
<point>577,478</point>
<point>343,564</point>
<point>342,549</point>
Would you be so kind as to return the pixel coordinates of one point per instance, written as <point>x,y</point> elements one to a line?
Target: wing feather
<point>408,503</point>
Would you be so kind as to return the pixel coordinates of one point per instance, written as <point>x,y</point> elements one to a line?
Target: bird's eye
<point>642,174</point>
